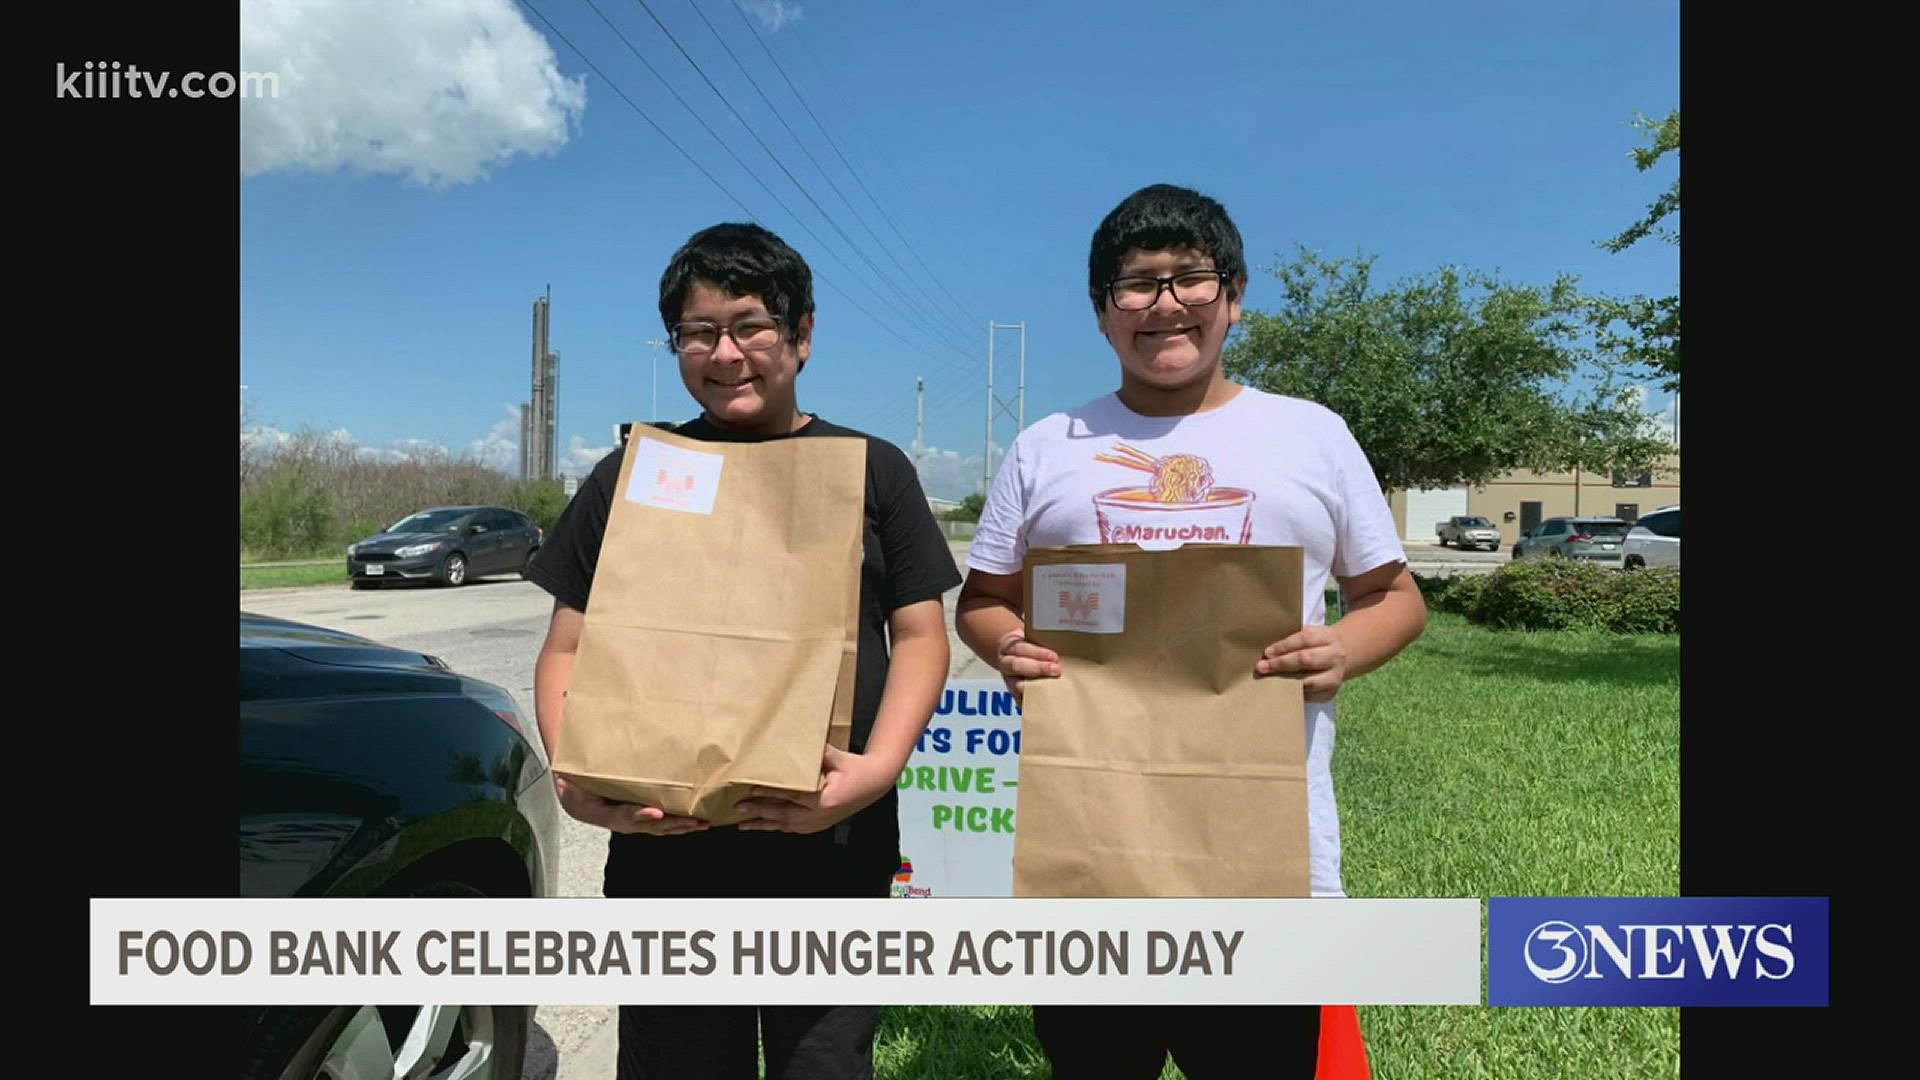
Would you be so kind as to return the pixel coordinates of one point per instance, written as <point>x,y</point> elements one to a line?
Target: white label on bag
<point>1088,597</point>
<point>674,479</point>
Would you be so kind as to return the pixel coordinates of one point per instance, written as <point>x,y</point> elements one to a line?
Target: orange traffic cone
<point>1343,1053</point>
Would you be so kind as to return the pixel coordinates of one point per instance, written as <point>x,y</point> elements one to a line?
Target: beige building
<point>1520,500</point>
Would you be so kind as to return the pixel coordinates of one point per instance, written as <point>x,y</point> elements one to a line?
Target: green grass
<point>1476,764</point>
<point>281,577</point>
<point>1515,764</point>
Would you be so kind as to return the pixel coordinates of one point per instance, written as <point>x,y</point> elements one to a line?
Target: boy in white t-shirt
<point>1180,453</point>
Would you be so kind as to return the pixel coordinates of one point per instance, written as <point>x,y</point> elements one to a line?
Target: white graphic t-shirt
<point>1261,469</point>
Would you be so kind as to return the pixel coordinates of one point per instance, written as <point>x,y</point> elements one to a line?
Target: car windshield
<point>1473,522</point>
<point>1601,528</point>
<point>430,521</point>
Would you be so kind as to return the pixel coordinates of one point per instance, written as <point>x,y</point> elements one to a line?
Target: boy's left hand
<point>852,783</point>
<point>1317,653</point>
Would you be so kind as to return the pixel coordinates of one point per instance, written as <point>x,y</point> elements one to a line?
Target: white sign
<point>674,478</point>
<point>957,795</point>
<point>1088,597</point>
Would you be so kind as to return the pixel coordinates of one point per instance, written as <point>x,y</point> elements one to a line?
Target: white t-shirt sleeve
<point>1367,539</point>
<point>1000,538</point>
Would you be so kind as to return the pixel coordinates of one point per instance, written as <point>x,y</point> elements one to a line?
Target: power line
<point>724,145</point>
<point>856,176</point>
<point>691,160</point>
<point>788,172</point>
<point>932,305</point>
<point>939,400</point>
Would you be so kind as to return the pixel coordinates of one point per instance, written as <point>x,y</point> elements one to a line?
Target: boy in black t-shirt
<point>737,303</point>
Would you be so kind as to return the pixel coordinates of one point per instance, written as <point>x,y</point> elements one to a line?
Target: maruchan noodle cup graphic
<point>1136,516</point>
<point>1177,505</point>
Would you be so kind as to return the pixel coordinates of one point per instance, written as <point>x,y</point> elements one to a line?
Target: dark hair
<point>1159,217</point>
<point>742,260</point>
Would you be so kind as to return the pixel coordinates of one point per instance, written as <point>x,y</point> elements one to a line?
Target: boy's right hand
<point>1021,660</point>
<point>620,817</point>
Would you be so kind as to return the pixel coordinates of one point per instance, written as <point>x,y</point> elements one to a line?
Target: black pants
<point>692,1042</point>
<point>1131,1042</point>
<point>721,1042</point>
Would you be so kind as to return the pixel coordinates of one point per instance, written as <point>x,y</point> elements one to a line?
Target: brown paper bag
<point>721,634</point>
<point>1157,764</point>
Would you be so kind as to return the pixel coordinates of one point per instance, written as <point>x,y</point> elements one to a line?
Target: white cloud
<point>499,448</point>
<point>437,90</point>
<point>948,474</point>
<point>580,458</point>
<point>399,450</point>
<point>263,440</point>
<point>772,14</point>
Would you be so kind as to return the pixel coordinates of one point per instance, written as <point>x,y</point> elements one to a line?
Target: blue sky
<point>423,175</point>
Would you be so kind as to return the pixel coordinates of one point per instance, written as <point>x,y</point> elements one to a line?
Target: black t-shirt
<point>905,560</point>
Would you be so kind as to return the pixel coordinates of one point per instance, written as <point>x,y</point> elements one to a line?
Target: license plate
<point>1606,547</point>
<point>375,569</point>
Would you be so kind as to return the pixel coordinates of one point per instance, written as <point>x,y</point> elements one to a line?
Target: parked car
<point>448,545</point>
<point>374,771</point>
<point>1468,531</point>
<point>1654,540</point>
<point>1589,539</point>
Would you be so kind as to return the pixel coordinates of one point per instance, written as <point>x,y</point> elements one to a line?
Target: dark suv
<point>447,545</point>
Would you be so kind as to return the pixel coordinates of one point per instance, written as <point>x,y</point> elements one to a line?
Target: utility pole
<point>919,417</point>
<point>656,345</point>
<point>994,404</point>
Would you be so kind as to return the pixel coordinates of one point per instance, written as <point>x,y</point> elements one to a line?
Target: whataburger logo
<point>1085,598</point>
<point>673,486</point>
<point>1079,607</point>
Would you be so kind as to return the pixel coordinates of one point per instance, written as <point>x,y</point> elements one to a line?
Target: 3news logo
<point>1657,951</point>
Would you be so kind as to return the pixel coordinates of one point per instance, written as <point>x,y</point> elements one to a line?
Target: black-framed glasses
<point>755,333</point>
<point>1194,288</point>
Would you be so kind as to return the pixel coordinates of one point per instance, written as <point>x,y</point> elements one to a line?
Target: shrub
<point>1563,594</point>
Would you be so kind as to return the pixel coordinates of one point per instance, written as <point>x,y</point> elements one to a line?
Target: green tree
<point>968,510</point>
<point>1447,378</point>
<point>1645,331</point>
<point>541,500</point>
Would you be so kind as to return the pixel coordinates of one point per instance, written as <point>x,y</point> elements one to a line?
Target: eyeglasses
<point>756,333</point>
<point>1194,288</point>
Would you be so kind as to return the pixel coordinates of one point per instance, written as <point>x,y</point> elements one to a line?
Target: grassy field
<point>1475,764</point>
<point>281,577</point>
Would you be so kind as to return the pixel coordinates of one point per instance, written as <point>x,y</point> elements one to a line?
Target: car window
<point>429,521</point>
<point>1553,528</point>
<point>1474,522</point>
<point>1667,524</point>
<point>1603,528</point>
